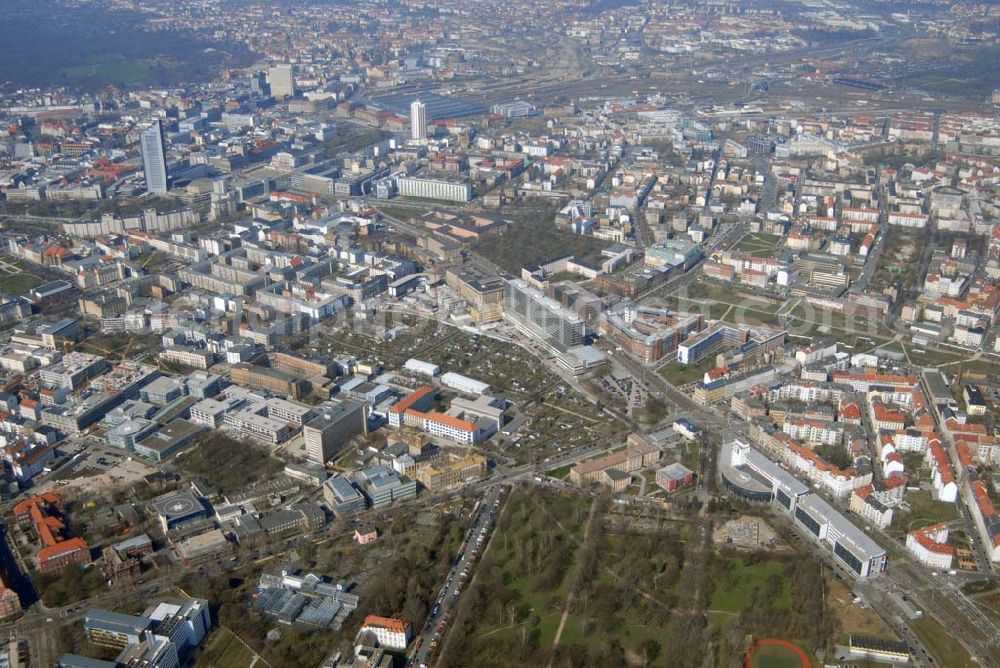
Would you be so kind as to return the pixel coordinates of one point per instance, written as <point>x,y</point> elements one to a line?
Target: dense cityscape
<point>428,333</point>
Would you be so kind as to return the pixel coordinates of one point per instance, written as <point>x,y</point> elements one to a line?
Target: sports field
<point>776,653</point>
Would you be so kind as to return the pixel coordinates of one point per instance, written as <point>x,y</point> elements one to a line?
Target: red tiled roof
<point>447,420</point>
<point>391,623</point>
<point>413,397</point>
<point>850,411</point>
<point>923,536</point>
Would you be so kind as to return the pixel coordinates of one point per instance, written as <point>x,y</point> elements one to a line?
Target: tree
<point>649,649</point>
<point>656,409</point>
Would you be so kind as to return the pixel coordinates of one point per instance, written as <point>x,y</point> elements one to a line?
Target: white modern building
<point>464,384</point>
<point>418,121</point>
<point>423,368</point>
<point>449,190</point>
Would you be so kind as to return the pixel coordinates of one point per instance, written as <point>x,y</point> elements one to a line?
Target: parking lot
<point>428,642</point>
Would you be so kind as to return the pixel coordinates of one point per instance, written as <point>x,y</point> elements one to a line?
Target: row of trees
<point>228,464</point>
<point>531,552</point>
<point>806,619</point>
<point>621,585</point>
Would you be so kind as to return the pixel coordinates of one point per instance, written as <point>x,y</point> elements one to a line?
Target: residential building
<point>10,602</point>
<point>930,546</point>
<point>985,515</point>
<point>866,503</point>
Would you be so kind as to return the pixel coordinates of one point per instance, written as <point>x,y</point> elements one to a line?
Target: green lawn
<point>775,656</point>
<point>924,510</point>
<point>224,650</point>
<point>111,68</point>
<point>849,330</point>
<point>679,374</point>
<point>733,596</point>
<point>536,532</point>
<point>942,644</point>
<point>759,244</point>
<point>403,213</point>
<point>18,284</point>
<point>731,303</point>
<point>953,361</point>
<point>560,472</point>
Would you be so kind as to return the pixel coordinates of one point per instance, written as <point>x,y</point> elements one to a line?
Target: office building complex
<point>542,316</point>
<point>615,470</point>
<point>483,295</point>
<point>162,637</point>
<point>709,342</point>
<point>859,553</point>
<point>650,333</point>
<point>464,384</point>
<point>113,629</point>
<point>382,486</point>
<point>342,497</point>
<point>747,473</point>
<point>154,159</point>
<point>421,399</point>
<point>264,378</point>
<point>449,190</point>
<point>73,371</point>
<point>306,599</point>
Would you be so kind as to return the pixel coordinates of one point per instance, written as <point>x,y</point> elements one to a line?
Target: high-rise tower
<point>154,159</point>
<point>282,81</point>
<point>418,120</point>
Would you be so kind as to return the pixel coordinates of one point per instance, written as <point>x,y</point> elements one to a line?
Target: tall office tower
<point>418,120</point>
<point>154,159</point>
<point>258,84</point>
<point>326,434</point>
<point>542,316</point>
<point>282,81</point>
